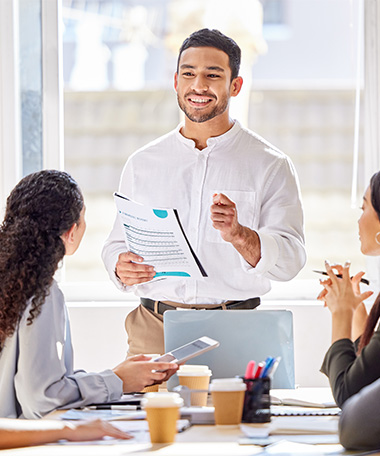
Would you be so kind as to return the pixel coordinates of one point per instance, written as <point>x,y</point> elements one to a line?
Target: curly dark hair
<point>41,207</point>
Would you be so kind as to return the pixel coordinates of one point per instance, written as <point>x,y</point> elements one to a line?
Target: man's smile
<point>199,101</point>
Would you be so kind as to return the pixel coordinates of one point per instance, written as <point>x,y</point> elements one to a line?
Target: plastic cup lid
<point>194,370</point>
<point>162,399</point>
<point>227,384</point>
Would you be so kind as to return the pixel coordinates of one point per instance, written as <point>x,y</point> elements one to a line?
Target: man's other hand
<point>130,270</point>
<point>224,217</point>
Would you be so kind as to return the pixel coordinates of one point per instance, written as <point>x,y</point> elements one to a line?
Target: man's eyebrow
<point>210,68</point>
<point>215,68</point>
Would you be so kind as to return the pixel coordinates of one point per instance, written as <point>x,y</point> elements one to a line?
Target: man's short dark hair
<point>213,38</point>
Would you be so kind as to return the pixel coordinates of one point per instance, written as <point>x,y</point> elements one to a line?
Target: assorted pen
<point>264,369</point>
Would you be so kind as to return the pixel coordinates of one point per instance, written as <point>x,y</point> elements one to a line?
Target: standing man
<point>237,197</point>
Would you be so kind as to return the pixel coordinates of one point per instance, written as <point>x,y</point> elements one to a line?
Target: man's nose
<point>200,84</point>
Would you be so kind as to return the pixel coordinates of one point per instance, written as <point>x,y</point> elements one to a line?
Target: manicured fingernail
<point>347,263</point>
<point>327,262</point>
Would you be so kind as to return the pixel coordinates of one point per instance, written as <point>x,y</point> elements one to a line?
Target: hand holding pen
<point>342,292</point>
<point>365,281</point>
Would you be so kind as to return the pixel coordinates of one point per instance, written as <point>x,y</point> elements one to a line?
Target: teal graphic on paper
<point>173,274</point>
<point>160,213</point>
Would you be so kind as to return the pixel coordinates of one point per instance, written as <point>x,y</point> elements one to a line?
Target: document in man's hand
<point>157,236</point>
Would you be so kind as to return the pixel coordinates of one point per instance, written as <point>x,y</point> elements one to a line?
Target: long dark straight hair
<point>374,314</point>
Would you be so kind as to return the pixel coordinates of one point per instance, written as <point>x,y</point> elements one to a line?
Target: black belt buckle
<point>251,303</point>
<point>161,306</point>
<point>248,304</point>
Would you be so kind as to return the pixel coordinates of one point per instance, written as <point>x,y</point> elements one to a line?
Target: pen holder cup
<point>257,400</point>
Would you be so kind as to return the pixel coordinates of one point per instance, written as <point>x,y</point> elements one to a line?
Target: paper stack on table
<point>285,425</point>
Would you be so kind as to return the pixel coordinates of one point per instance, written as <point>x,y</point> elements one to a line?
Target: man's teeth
<point>197,100</point>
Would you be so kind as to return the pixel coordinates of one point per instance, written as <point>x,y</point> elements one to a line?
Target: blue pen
<point>268,365</point>
<point>274,366</point>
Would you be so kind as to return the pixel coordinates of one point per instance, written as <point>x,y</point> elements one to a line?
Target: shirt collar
<point>233,131</point>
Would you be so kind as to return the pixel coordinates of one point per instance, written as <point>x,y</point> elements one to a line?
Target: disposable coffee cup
<point>151,388</point>
<point>195,377</point>
<point>162,413</point>
<point>228,399</point>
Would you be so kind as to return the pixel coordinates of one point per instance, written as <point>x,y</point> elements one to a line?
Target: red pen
<point>259,369</point>
<point>249,370</point>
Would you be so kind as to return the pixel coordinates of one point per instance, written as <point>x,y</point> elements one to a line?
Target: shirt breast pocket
<point>248,213</point>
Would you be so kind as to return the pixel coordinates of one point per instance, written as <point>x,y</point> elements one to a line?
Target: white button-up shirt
<point>261,180</point>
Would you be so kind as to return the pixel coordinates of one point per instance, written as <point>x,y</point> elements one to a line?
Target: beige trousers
<point>145,331</point>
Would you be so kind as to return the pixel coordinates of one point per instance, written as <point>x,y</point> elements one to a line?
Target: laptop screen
<point>243,335</point>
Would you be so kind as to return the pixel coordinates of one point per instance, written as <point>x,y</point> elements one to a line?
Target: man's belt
<point>162,306</point>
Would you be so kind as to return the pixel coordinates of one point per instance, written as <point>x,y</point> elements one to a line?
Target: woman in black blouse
<point>353,360</point>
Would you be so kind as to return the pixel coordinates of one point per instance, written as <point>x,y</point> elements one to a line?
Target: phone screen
<point>190,349</point>
<point>168,358</point>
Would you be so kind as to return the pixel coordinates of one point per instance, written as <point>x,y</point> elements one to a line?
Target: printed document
<point>157,236</point>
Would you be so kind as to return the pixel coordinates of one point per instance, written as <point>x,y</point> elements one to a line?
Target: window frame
<point>52,83</point>
<point>52,86</point>
<point>10,126</point>
<point>53,124</point>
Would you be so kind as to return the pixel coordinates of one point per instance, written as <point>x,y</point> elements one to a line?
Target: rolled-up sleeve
<point>281,227</point>
<point>113,247</point>
<point>115,242</point>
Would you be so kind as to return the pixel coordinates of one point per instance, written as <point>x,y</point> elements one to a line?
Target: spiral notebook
<point>285,410</point>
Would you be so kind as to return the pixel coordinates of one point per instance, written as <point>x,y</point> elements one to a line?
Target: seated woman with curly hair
<point>44,220</point>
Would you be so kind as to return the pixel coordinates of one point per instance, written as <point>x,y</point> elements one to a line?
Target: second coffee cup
<point>228,399</point>
<point>195,377</point>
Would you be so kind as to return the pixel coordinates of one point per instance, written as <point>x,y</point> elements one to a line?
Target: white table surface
<point>199,440</point>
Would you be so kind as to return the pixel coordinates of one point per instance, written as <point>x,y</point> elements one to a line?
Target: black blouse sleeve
<point>349,373</point>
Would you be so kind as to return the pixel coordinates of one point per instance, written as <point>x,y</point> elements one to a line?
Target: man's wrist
<point>239,238</point>
<point>246,236</point>
<point>247,243</point>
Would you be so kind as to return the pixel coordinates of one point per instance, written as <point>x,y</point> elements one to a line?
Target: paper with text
<point>157,236</point>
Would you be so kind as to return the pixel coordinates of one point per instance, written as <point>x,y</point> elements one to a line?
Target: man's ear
<point>175,81</point>
<point>236,86</point>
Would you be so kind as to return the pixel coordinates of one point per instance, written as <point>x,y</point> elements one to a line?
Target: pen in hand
<point>340,276</point>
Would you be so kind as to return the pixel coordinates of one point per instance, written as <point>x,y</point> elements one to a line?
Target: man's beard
<point>200,118</point>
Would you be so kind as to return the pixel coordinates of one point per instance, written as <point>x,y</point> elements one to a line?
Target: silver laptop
<point>243,335</point>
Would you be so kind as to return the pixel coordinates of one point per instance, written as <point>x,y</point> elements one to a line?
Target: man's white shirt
<point>260,179</point>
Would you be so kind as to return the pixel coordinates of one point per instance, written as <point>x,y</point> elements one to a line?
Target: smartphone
<point>182,354</point>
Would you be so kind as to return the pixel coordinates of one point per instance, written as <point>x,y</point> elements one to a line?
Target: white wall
<point>99,337</point>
